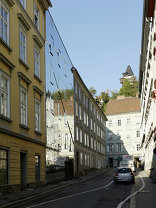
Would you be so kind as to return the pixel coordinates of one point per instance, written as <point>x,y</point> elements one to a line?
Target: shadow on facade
<point>115,149</point>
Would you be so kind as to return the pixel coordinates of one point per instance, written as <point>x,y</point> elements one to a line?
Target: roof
<point>128,72</point>
<point>124,105</point>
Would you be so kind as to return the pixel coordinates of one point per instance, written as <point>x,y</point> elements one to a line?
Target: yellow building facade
<point>22,90</point>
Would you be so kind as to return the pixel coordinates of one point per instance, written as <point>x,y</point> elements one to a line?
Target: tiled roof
<point>125,105</point>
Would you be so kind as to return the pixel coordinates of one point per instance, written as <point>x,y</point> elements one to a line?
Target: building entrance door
<point>110,162</point>
<point>23,163</point>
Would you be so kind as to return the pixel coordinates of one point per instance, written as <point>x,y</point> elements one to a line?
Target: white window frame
<point>37,62</point>
<point>138,147</point>
<point>128,121</point>
<point>37,111</point>
<point>5,21</point>
<point>36,17</point>
<point>25,123</point>
<point>23,45</point>
<point>6,77</point>
<point>110,148</point>
<point>23,3</point>
<point>138,133</point>
<point>119,147</point>
<point>119,122</point>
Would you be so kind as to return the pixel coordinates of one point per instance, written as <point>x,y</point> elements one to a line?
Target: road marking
<point>66,197</point>
<point>143,185</point>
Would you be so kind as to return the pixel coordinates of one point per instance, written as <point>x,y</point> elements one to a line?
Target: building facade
<point>147,87</point>
<point>89,128</point>
<point>123,130</point>
<point>22,86</point>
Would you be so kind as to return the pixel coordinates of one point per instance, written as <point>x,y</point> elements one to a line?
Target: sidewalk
<point>146,197</point>
<point>9,200</point>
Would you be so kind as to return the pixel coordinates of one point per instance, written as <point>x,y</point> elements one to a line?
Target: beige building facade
<point>22,103</point>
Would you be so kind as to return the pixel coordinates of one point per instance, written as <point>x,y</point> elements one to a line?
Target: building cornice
<point>22,137</point>
<point>45,4</point>
<point>6,61</point>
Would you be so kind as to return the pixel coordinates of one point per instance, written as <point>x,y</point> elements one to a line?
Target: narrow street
<point>100,191</point>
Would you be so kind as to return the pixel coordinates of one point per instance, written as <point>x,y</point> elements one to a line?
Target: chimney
<point>120,97</point>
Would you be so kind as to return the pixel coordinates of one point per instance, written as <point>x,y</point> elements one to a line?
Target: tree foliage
<point>129,89</point>
<point>61,94</point>
<point>92,91</point>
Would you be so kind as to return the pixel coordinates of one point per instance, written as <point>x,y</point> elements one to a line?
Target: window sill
<point>5,118</point>
<point>38,132</point>
<point>5,45</point>
<point>24,64</point>
<point>24,127</point>
<point>36,77</point>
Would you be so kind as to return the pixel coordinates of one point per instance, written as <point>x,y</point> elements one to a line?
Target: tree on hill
<point>129,89</point>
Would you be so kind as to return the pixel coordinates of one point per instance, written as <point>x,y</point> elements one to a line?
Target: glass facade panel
<point>59,91</point>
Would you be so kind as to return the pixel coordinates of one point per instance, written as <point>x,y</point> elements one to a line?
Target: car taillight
<point>132,174</point>
<point>116,174</point>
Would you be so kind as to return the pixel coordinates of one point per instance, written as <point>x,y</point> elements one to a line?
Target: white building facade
<point>123,130</point>
<point>147,87</point>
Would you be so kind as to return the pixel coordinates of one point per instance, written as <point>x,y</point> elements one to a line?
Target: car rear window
<point>124,170</point>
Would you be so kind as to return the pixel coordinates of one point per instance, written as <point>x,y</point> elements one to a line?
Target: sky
<point>102,38</point>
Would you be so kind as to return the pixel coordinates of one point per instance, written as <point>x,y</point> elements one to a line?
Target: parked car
<point>123,174</point>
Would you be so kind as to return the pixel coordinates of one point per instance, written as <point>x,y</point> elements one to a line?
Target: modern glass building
<point>59,97</point>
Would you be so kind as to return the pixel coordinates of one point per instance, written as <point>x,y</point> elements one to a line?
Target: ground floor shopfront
<point>22,163</point>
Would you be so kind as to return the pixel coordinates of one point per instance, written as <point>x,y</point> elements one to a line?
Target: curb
<point>21,201</point>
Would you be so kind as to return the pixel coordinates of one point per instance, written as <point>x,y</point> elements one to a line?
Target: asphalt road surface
<point>98,192</point>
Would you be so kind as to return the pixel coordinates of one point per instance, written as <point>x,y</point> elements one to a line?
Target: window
<point>85,139</point>
<point>79,92</point>
<point>37,115</point>
<point>95,144</point>
<point>81,158</point>
<point>3,166</point>
<point>128,121</point>
<point>138,147</point>
<point>119,147</point>
<point>77,133</point>
<point>4,23</point>
<point>110,148</point>
<point>23,106</point>
<point>76,108</point>
<point>23,2</point>
<point>138,133</point>
<point>75,87</point>
<point>119,122</point>
<point>110,136</point>
<point>23,46</point>
<point>36,16</point>
<point>37,62</point>
<point>110,123</point>
<point>92,142</point>
<point>80,112</point>
<point>81,135</point>
<point>4,95</point>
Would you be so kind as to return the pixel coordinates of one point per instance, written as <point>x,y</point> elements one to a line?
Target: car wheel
<point>133,181</point>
